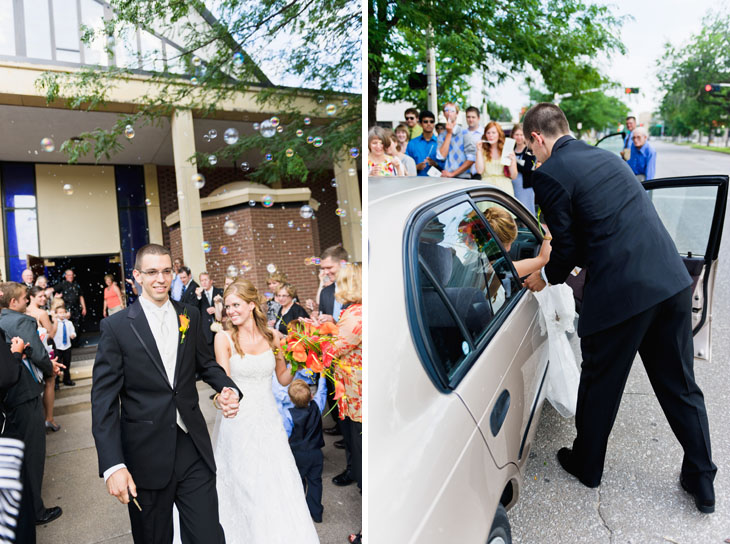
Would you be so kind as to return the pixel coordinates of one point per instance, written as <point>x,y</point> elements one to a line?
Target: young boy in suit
<point>306,441</point>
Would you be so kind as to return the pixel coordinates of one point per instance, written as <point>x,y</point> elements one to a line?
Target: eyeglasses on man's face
<point>428,121</point>
<point>410,118</point>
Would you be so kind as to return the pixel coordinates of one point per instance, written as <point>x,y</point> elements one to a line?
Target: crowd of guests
<point>419,147</point>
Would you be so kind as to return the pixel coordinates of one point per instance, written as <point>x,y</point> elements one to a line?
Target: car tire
<point>500,532</point>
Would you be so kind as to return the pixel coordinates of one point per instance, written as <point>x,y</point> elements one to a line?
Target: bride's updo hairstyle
<point>245,290</point>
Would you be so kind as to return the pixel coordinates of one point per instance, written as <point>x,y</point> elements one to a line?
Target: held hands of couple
<point>228,400</point>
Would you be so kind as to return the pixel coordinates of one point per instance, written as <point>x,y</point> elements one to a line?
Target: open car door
<point>693,211</point>
<point>613,142</point>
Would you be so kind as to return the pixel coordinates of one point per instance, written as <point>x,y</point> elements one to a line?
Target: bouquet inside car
<point>311,346</point>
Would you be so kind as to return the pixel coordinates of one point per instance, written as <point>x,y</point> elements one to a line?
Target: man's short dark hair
<point>11,290</point>
<point>414,111</point>
<point>473,109</point>
<point>425,114</point>
<point>336,253</point>
<point>546,119</point>
<point>186,270</point>
<point>440,126</point>
<point>150,249</point>
<point>631,117</point>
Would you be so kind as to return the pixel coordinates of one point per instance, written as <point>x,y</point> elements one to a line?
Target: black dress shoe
<point>565,458</point>
<point>49,515</point>
<point>70,383</point>
<point>343,479</point>
<point>340,444</point>
<point>333,431</point>
<point>705,504</point>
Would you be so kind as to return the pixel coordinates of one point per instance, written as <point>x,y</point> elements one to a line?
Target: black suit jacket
<point>188,296</point>
<point>306,431</point>
<point>207,318</point>
<point>327,299</point>
<point>133,404</point>
<point>601,219</point>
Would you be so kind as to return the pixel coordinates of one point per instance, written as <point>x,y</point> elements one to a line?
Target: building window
<point>21,215</point>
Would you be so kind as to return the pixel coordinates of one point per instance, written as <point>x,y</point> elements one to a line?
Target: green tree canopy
<point>316,43</point>
<point>684,70</point>
<point>498,112</point>
<point>557,38</point>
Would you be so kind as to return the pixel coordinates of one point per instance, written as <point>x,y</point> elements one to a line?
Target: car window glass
<point>468,281</point>
<point>687,214</point>
<point>613,143</point>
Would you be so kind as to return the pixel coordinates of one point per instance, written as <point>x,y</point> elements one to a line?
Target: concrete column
<point>348,193</point>
<point>152,193</point>
<point>188,197</point>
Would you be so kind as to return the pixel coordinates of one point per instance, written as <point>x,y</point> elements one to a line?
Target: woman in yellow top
<point>489,159</point>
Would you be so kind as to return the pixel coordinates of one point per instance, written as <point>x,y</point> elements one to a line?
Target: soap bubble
<point>198,180</point>
<point>269,294</point>
<point>212,160</point>
<point>224,250</point>
<point>270,225</point>
<point>212,134</point>
<point>180,195</point>
<point>316,260</point>
<point>267,129</point>
<point>320,99</point>
<point>47,144</point>
<point>280,129</point>
<point>245,266</point>
<point>307,120</point>
<point>232,271</point>
<point>238,58</point>
<point>345,102</point>
<point>310,139</point>
<point>230,136</point>
<point>331,109</point>
<point>274,121</point>
<point>290,152</point>
<point>252,203</point>
<point>307,261</point>
<point>206,247</point>
<point>333,183</point>
<point>352,172</point>
<point>129,132</point>
<point>306,211</point>
<point>300,133</point>
<point>267,201</point>
<point>290,224</point>
<point>148,202</point>
<point>68,189</point>
<point>245,166</point>
<point>271,268</point>
<point>196,61</point>
<point>340,212</point>
<point>354,152</point>
<point>256,126</point>
<point>230,227</point>
<point>269,157</point>
<point>317,142</point>
<point>194,80</point>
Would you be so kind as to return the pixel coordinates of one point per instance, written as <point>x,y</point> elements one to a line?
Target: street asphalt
<point>639,500</point>
<point>92,516</point>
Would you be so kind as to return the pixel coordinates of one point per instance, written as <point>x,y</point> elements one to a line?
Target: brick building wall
<point>264,237</point>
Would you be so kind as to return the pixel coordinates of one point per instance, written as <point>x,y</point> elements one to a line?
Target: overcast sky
<point>655,23</point>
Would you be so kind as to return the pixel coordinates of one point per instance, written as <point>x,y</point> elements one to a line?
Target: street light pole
<point>431,73</point>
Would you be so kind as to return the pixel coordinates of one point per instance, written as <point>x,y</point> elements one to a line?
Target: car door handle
<point>499,412</point>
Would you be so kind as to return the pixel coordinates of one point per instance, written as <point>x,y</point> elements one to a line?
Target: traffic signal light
<point>712,88</point>
<point>417,80</point>
<point>631,90</point>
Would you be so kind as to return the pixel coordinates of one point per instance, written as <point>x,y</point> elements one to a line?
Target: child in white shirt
<point>65,332</point>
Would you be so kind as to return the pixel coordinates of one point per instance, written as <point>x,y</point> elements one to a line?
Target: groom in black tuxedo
<point>637,297</point>
<point>151,438</point>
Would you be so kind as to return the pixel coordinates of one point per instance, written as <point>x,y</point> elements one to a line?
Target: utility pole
<point>431,73</point>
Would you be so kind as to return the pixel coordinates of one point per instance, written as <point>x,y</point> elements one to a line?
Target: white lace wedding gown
<point>260,493</point>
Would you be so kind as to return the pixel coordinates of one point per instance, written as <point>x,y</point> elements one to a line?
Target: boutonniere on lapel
<point>184,324</point>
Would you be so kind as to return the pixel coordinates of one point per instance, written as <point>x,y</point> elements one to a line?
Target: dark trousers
<point>28,421</point>
<point>25,529</point>
<point>192,489</point>
<point>310,464</point>
<point>352,433</point>
<point>64,357</point>
<point>663,337</point>
<point>334,411</point>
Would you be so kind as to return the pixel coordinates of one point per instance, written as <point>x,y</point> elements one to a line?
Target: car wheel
<point>500,532</point>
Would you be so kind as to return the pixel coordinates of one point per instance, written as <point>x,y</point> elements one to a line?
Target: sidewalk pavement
<point>92,516</point>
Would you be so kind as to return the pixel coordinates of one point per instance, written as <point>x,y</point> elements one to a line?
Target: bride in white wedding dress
<point>260,492</point>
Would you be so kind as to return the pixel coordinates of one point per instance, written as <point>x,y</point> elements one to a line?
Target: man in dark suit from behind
<point>189,287</point>
<point>23,400</point>
<point>205,295</point>
<point>637,298</point>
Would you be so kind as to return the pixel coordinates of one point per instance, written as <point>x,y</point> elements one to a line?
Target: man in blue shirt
<point>456,146</point>
<point>643,155</point>
<point>422,149</point>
